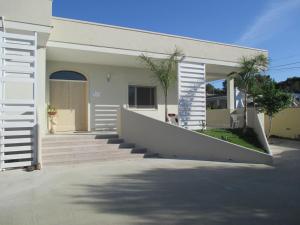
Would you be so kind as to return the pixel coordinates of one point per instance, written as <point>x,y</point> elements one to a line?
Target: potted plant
<point>51,110</point>
<point>51,114</point>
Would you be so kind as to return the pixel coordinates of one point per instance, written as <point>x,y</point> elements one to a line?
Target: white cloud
<point>274,19</point>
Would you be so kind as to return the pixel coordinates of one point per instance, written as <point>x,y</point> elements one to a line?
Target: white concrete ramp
<point>173,141</point>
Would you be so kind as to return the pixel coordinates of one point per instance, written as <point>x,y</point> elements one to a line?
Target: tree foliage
<point>165,72</point>
<point>224,86</point>
<point>210,89</point>
<point>272,100</point>
<point>291,84</point>
<point>256,88</point>
<point>245,77</point>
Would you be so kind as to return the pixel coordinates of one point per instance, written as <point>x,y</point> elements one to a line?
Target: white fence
<point>192,99</point>
<point>17,100</point>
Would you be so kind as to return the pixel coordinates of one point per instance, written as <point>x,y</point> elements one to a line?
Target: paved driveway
<point>157,191</point>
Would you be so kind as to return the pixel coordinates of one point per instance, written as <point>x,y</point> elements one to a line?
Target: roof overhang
<point>83,33</point>
<point>93,43</point>
<point>75,53</point>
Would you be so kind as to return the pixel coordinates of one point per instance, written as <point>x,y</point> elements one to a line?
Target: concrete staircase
<point>74,149</point>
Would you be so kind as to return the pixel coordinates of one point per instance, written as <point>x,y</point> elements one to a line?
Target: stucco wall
<point>115,92</point>
<point>219,118</point>
<point>27,11</point>
<point>80,32</point>
<point>285,123</point>
<point>18,90</point>
<point>41,85</point>
<point>173,141</point>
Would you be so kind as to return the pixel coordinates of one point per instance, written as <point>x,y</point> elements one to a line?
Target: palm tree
<point>165,72</point>
<point>245,77</point>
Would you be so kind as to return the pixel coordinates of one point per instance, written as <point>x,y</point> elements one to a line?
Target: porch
<point>109,79</point>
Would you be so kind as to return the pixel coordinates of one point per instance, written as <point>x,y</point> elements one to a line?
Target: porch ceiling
<point>218,72</point>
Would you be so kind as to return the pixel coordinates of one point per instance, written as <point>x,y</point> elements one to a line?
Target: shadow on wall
<point>103,106</point>
<point>214,193</point>
<point>186,103</point>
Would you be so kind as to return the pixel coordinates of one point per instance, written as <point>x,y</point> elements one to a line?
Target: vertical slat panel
<point>105,117</point>
<point>17,116</point>
<point>191,95</point>
<point>35,130</point>
<point>1,97</point>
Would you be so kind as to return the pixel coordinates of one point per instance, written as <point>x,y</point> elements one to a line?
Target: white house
<point>84,69</point>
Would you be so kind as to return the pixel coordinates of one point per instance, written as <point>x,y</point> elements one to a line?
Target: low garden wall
<point>285,124</point>
<point>218,118</point>
<point>173,141</point>
<point>256,122</point>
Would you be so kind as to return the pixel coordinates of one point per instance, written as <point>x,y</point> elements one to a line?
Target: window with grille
<point>141,97</point>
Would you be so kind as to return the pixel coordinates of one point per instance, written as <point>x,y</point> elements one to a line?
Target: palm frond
<point>149,63</point>
<point>164,70</point>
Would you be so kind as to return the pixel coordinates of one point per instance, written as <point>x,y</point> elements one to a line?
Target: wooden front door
<point>70,100</point>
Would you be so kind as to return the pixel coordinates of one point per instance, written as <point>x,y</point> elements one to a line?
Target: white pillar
<point>41,90</point>
<point>230,94</point>
<point>41,104</point>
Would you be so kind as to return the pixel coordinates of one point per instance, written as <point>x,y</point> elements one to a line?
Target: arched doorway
<point>68,94</point>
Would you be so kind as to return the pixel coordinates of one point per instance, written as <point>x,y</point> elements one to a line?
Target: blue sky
<point>269,24</point>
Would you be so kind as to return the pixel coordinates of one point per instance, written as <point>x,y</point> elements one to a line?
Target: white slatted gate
<point>191,95</point>
<point>18,125</point>
<point>105,117</point>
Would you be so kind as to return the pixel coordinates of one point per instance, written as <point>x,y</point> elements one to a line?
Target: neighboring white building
<point>220,101</point>
<point>296,100</point>
<point>85,69</point>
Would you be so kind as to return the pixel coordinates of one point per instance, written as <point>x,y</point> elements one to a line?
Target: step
<point>115,141</point>
<point>82,148</point>
<point>139,151</point>
<point>79,149</point>
<point>77,162</point>
<point>75,143</point>
<point>63,161</point>
<point>78,137</point>
<point>85,155</point>
<point>126,145</point>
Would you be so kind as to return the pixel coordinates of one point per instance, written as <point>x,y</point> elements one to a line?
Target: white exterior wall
<point>18,90</point>
<point>41,86</point>
<point>230,94</point>
<point>18,99</point>
<point>92,34</point>
<point>115,92</point>
<point>192,96</point>
<point>27,11</point>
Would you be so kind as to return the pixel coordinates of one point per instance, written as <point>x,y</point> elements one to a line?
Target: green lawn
<point>236,136</point>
